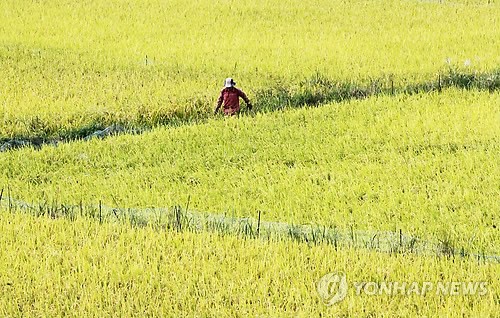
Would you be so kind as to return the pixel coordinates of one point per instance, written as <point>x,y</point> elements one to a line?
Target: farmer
<point>230,97</point>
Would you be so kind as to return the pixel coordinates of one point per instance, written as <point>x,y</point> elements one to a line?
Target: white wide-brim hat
<point>229,82</point>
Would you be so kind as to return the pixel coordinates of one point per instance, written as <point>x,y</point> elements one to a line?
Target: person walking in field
<point>230,98</point>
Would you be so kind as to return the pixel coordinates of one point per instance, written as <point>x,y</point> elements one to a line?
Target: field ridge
<point>182,219</point>
<point>313,92</point>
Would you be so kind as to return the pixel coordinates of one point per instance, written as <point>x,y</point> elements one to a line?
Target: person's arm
<point>219,101</point>
<point>245,98</point>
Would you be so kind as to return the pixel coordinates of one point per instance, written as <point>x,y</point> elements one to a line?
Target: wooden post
<point>258,225</point>
<point>8,196</point>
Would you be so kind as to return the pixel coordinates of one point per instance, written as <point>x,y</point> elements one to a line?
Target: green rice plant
<point>79,267</point>
<point>156,63</point>
<point>425,164</point>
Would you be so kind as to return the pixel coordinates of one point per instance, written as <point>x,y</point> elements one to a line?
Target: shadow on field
<point>320,90</point>
<point>315,91</point>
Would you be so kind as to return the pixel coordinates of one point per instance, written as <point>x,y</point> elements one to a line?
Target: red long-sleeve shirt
<point>230,97</point>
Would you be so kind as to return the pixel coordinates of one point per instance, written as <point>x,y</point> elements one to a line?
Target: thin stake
<point>8,195</point>
<point>258,225</point>
<point>400,238</point>
<point>1,195</point>
<point>439,82</point>
<point>177,211</point>
<point>100,211</point>
<point>187,204</point>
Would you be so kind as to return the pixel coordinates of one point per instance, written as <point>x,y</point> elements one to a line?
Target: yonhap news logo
<point>333,288</point>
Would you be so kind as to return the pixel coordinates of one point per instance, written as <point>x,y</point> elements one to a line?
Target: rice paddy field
<point>372,119</point>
